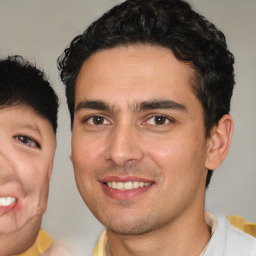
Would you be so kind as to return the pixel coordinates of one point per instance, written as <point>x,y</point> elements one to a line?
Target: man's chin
<point>134,228</point>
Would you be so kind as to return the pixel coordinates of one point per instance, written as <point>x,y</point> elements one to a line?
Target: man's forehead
<point>126,52</point>
<point>151,73</point>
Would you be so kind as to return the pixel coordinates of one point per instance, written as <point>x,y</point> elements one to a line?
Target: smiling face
<point>27,146</point>
<point>138,143</point>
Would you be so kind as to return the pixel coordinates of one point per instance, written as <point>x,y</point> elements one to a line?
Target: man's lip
<point>124,179</point>
<point>126,194</point>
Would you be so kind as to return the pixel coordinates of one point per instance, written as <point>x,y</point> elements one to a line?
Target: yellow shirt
<point>42,243</point>
<point>239,222</point>
<point>100,248</point>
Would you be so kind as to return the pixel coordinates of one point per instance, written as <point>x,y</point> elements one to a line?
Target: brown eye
<point>160,120</point>
<point>97,120</point>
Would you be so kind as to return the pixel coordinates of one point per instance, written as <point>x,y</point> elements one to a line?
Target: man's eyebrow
<point>159,104</point>
<point>92,104</point>
<point>145,105</point>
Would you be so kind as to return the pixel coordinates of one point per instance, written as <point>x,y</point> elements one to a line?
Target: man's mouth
<point>7,201</point>
<point>129,185</point>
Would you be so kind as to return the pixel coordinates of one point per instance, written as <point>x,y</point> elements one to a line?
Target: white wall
<point>40,30</point>
<point>233,187</point>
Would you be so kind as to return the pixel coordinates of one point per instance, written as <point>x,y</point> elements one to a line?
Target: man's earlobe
<point>219,142</point>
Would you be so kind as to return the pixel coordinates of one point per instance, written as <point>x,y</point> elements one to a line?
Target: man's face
<point>27,146</point>
<point>138,144</point>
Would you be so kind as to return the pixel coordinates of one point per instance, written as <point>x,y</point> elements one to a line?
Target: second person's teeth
<point>7,201</point>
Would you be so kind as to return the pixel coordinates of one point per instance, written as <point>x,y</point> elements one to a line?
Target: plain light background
<point>40,30</point>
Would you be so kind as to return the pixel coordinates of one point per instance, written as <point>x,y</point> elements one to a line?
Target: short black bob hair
<point>23,83</point>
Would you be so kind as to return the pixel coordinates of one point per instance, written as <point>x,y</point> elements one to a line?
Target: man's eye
<point>97,120</point>
<point>27,141</point>
<point>158,120</point>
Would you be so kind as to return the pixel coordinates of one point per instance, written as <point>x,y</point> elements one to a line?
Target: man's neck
<point>187,236</point>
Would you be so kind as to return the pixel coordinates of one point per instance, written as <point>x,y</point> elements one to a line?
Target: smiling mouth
<point>129,185</point>
<point>7,201</point>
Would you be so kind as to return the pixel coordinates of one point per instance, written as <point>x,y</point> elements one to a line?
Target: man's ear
<point>219,142</point>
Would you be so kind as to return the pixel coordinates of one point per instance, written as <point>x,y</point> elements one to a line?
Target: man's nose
<point>124,146</point>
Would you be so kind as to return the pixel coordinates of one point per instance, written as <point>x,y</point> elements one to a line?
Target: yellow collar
<point>100,248</point>
<point>42,243</point>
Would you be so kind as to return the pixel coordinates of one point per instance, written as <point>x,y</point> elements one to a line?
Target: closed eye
<point>27,141</point>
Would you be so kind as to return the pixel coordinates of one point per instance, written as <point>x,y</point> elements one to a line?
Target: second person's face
<point>27,147</point>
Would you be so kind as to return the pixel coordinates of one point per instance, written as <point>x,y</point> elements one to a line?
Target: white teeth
<point>127,185</point>
<point>6,201</point>
<point>113,185</point>
<point>136,184</point>
<point>120,185</point>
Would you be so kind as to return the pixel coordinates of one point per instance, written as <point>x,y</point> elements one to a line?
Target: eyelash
<point>93,117</point>
<point>23,139</point>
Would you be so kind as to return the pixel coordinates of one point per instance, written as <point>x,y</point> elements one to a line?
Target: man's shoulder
<point>240,243</point>
<point>239,222</point>
<point>230,241</point>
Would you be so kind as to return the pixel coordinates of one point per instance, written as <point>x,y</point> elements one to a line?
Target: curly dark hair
<point>23,83</point>
<point>168,23</point>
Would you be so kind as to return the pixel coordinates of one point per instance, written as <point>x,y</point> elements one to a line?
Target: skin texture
<point>137,119</point>
<point>27,147</point>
